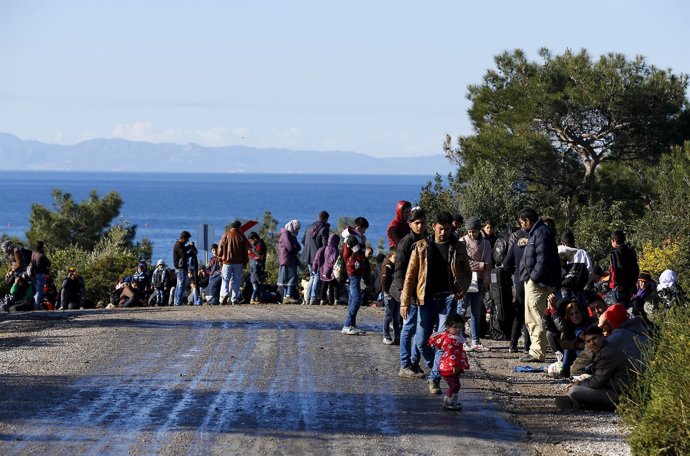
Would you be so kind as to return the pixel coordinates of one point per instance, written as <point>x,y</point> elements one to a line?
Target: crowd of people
<point>528,284</point>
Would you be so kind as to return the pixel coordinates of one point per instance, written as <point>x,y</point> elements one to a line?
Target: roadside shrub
<point>656,407</point>
<point>657,259</point>
<point>100,268</point>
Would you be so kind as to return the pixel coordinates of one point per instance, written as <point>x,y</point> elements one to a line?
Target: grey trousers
<point>586,395</point>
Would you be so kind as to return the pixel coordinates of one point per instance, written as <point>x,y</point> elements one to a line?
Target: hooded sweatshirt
<point>398,227</point>
<point>325,257</point>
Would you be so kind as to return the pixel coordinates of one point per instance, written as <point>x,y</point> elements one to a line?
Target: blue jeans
<point>354,301</point>
<point>391,315</point>
<point>38,297</point>
<point>232,277</point>
<point>181,285</point>
<point>314,285</point>
<point>434,311</point>
<point>409,354</point>
<point>475,302</point>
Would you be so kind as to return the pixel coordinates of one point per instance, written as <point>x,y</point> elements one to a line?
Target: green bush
<point>656,407</point>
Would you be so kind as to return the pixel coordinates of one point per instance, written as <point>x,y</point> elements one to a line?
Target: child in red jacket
<point>453,360</point>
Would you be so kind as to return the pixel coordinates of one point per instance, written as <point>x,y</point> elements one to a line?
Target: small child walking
<point>453,361</point>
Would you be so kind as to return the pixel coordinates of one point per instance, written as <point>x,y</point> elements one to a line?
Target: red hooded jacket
<point>398,227</point>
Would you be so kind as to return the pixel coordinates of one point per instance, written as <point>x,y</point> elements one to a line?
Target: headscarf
<point>293,226</point>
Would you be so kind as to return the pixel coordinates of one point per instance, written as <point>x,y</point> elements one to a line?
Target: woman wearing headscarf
<point>288,260</point>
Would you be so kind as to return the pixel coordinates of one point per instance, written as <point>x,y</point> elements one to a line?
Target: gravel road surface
<point>255,380</point>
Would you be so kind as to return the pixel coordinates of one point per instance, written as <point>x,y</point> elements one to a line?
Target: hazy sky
<point>385,78</point>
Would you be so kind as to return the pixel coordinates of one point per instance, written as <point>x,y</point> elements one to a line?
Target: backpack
<point>500,251</point>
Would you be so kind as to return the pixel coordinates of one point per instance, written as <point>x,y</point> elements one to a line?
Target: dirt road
<point>225,380</point>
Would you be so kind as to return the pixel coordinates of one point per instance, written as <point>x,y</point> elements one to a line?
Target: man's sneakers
<point>530,359</point>
<point>451,403</point>
<point>352,331</point>
<point>387,341</point>
<point>411,372</point>
<point>434,386</point>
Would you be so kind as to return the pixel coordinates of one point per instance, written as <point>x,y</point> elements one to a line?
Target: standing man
<point>624,269</point>
<point>232,253</point>
<point>354,247</point>
<point>409,355</point>
<point>540,271</point>
<point>181,263</point>
<point>315,237</point>
<point>438,274</point>
<point>41,265</point>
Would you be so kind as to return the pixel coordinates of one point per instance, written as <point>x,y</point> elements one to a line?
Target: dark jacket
<point>515,252</point>
<point>624,268</point>
<point>315,237</point>
<point>610,369</point>
<point>402,259</point>
<point>41,262</point>
<point>180,258</point>
<point>631,338</point>
<point>540,261</point>
<point>387,272</point>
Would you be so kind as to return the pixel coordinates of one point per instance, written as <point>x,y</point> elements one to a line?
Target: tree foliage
<point>558,120</point>
<point>269,234</point>
<point>72,223</point>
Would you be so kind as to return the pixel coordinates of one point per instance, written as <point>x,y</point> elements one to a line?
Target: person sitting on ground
<point>630,335</point>
<point>323,265</point>
<point>21,296</point>
<point>453,360</point>
<point>18,259</point>
<point>609,376</point>
<point>572,340</point>
<point>669,290</point>
<point>646,288</point>
<point>143,278</point>
<point>391,313</point>
<point>132,295</point>
<point>73,291</point>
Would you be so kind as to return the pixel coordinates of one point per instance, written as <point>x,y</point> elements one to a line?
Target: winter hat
<point>473,223</point>
<point>645,276</point>
<point>160,262</point>
<point>616,315</point>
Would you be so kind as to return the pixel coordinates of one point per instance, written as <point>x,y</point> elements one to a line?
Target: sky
<point>383,78</point>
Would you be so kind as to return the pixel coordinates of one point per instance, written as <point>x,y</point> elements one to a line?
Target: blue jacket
<point>540,260</point>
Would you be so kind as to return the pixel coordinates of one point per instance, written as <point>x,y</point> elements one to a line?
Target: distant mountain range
<point>123,155</point>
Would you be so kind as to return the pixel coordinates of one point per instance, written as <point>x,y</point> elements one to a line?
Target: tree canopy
<point>558,120</point>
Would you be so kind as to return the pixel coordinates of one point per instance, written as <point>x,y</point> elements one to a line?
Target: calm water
<point>162,205</point>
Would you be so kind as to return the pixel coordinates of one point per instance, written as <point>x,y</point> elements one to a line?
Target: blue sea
<point>162,205</point>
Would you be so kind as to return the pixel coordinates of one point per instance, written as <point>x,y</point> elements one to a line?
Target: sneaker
<point>387,341</point>
<point>352,331</point>
<point>512,350</point>
<point>467,347</point>
<point>530,359</point>
<point>434,386</point>
<point>408,372</point>
<point>418,370</point>
<point>477,347</point>
<point>450,403</point>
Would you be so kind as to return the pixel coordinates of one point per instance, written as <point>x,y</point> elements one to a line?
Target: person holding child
<point>453,360</point>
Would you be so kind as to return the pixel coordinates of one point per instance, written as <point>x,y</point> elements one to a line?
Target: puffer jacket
<point>416,278</point>
<point>540,262</point>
